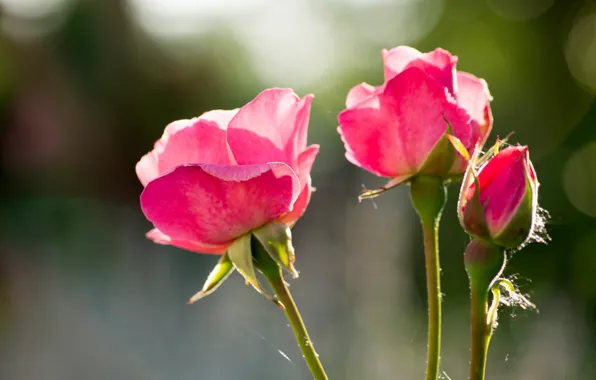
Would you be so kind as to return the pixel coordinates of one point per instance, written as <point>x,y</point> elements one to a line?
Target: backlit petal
<point>215,204</point>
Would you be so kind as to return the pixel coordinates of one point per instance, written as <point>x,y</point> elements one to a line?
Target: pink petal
<point>421,106</point>
<point>196,141</point>
<point>290,218</point>
<point>370,136</point>
<point>250,148</point>
<point>302,119</point>
<point>221,117</point>
<point>396,60</point>
<point>215,204</point>
<point>439,64</point>
<point>503,184</point>
<point>359,93</point>
<point>160,238</point>
<point>147,168</point>
<point>474,97</point>
<point>466,131</point>
<point>272,127</point>
<point>305,162</point>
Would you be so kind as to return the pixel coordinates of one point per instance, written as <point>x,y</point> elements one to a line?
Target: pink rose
<point>391,130</point>
<point>212,179</point>
<point>501,207</point>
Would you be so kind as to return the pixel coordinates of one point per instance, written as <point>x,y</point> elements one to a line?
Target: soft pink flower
<point>502,207</point>
<point>392,129</point>
<point>211,179</point>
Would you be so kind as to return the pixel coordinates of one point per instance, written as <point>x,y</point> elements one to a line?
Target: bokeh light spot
<point>579,179</point>
<point>520,10</point>
<point>580,50</point>
<point>31,19</point>
<point>584,264</point>
<point>292,43</point>
<point>32,8</point>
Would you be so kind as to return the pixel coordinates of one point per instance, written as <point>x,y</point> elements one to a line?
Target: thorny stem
<point>274,276</point>
<point>433,284</point>
<point>481,333</point>
<point>429,196</point>
<point>484,263</point>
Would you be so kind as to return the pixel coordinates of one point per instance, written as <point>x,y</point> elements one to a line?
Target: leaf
<point>492,314</point>
<point>240,254</point>
<point>276,238</point>
<point>218,275</point>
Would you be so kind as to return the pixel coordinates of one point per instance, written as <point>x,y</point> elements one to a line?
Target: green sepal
<point>459,146</point>
<point>394,182</point>
<point>469,175</point>
<point>442,156</point>
<point>276,238</point>
<point>240,253</point>
<point>492,151</point>
<point>218,275</point>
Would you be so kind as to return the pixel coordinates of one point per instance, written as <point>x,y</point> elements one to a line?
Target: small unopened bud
<point>500,204</point>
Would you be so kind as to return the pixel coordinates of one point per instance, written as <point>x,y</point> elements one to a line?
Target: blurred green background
<point>86,87</point>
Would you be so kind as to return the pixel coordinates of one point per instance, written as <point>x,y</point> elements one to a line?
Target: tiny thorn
<point>196,297</point>
<point>279,304</point>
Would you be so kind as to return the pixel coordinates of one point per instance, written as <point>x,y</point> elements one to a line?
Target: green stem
<point>429,196</point>
<point>484,263</point>
<point>274,276</point>
<point>433,285</point>
<point>481,333</point>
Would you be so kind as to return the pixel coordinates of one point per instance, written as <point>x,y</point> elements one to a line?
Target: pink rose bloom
<point>502,207</point>
<point>391,130</point>
<point>212,179</point>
